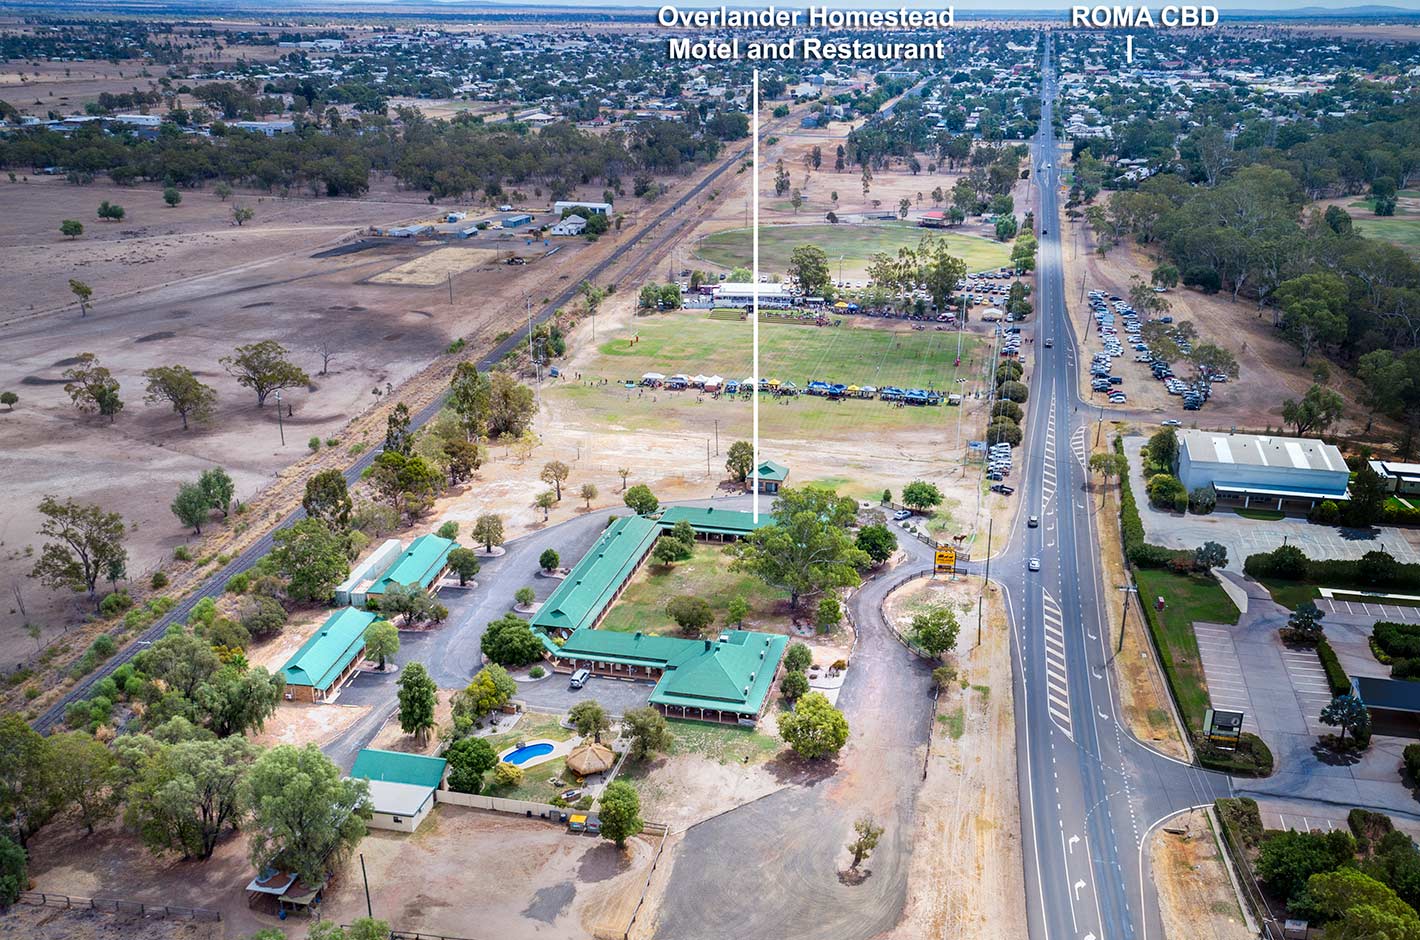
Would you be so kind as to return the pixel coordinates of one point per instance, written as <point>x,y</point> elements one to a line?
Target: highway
<point>1090,792</point>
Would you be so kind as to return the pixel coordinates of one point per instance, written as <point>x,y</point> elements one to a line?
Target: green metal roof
<point>776,472</point>
<point>733,673</point>
<point>420,564</point>
<point>711,519</point>
<point>592,582</point>
<point>330,649</point>
<point>398,767</point>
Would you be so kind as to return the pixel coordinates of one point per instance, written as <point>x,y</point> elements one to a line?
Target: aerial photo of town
<point>483,471</point>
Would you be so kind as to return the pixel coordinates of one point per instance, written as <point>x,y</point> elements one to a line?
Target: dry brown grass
<point>1196,897</point>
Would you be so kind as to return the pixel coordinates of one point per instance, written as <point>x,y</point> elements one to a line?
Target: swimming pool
<point>527,752</point>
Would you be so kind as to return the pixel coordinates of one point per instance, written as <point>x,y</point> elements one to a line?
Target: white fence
<point>498,804</point>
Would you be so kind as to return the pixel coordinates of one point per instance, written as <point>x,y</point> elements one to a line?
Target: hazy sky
<point>962,6</point>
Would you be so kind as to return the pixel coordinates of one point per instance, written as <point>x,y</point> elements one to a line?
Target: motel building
<point>726,679</point>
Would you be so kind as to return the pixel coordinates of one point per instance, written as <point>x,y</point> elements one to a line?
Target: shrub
<point>314,443</point>
<point>115,604</point>
<point>182,554</point>
<point>238,583</point>
<point>798,658</point>
<point>1411,758</point>
<point>159,580</point>
<point>1242,820</point>
<point>537,672</point>
<point>1251,758</point>
<point>1325,513</point>
<point>525,596</point>
<point>793,685</point>
<point>1166,491</point>
<point>1335,676</point>
<point>1368,827</point>
<point>449,530</point>
<point>1014,391</point>
<point>548,560</point>
<point>1202,500</point>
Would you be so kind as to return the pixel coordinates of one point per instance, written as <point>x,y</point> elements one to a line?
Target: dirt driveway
<point>771,868</point>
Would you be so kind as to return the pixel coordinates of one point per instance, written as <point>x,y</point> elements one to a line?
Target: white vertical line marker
<point>754,298</point>
<point>1129,48</point>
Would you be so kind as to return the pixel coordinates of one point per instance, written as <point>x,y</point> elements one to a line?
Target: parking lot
<point>1242,536</point>
<point>1395,613</point>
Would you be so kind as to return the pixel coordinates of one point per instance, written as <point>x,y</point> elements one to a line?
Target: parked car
<point>579,678</point>
<point>902,514</point>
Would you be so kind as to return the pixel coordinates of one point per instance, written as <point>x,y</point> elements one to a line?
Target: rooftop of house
<point>713,520</point>
<point>592,582</point>
<point>769,470</point>
<point>419,564</point>
<point>329,650</point>
<point>398,767</point>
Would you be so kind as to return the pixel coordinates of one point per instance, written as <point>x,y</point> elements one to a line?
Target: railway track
<point>657,236</point>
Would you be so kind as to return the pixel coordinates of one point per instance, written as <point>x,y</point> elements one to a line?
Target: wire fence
<point>117,906</point>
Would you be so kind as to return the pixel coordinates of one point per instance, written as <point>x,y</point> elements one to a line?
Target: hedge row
<point>1336,677</point>
<point>1399,515</point>
<point>1396,640</point>
<point>1376,569</point>
<point>1138,551</point>
<point>1252,757</point>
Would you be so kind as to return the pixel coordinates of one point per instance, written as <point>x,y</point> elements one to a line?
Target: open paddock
<point>854,244</point>
<point>439,265</point>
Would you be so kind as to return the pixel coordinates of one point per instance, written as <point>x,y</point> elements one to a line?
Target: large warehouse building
<point>1250,470</point>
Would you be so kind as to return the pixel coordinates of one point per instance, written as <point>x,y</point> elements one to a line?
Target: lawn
<point>706,574</point>
<point>855,244</point>
<point>536,785</point>
<point>727,744</point>
<point>1187,599</point>
<point>691,342</point>
<point>1290,594</point>
<point>1402,229</point>
<point>1261,515</point>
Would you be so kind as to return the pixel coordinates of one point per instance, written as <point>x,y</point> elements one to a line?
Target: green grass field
<point>1186,599</point>
<point>1402,229</point>
<point>706,574</point>
<point>692,342</point>
<point>1290,594</point>
<point>854,243</point>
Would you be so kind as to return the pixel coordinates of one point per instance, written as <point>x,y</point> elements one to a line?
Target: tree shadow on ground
<point>1326,752</point>
<point>602,862</point>
<point>854,876</point>
<point>789,768</point>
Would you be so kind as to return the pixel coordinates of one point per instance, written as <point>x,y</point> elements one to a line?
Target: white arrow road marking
<point>1073,840</point>
<point>1078,885</point>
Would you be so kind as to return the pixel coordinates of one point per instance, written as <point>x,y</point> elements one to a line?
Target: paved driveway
<point>1243,537</point>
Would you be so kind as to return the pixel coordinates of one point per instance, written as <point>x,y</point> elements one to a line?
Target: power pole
<point>279,424</point>
<point>1128,590</point>
<point>985,584</point>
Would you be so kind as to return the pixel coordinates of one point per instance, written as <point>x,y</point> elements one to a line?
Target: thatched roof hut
<point>590,758</point>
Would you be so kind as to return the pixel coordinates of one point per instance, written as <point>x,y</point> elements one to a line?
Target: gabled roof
<point>711,519</point>
<point>399,767</point>
<point>592,582</point>
<point>420,564</point>
<point>329,650</point>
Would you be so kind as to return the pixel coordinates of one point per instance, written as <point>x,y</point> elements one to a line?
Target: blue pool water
<point>527,752</point>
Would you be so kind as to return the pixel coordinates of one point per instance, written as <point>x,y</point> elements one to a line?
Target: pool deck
<point>559,749</point>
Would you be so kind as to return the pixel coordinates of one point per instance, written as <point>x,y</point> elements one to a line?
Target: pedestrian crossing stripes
<point>1057,682</point>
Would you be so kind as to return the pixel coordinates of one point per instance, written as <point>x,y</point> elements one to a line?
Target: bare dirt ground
<point>536,878</point>
<point>966,876</point>
<point>48,923</point>
<point>687,788</point>
<point>1269,365</point>
<point>1196,899</point>
<point>214,286</point>
<point>1142,692</point>
<point>113,864</point>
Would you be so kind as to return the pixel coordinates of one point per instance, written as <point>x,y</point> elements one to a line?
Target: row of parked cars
<point>998,464</point>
